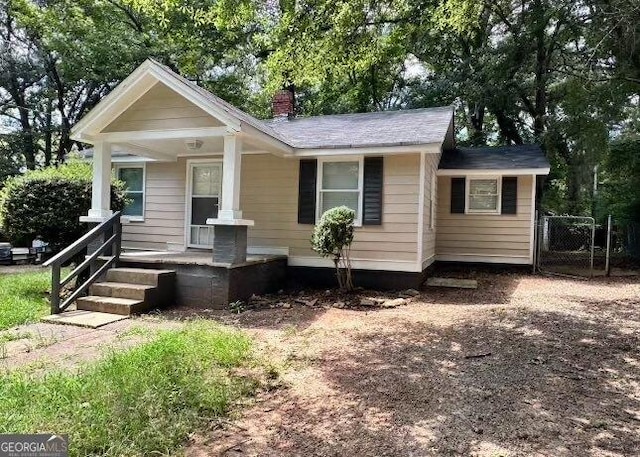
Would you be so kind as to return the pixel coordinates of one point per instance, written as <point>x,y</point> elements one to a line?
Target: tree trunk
<point>476,120</point>
<point>508,128</point>
<point>48,134</point>
<point>539,115</point>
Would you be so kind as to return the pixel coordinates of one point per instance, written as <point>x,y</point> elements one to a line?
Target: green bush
<point>48,203</point>
<point>332,237</point>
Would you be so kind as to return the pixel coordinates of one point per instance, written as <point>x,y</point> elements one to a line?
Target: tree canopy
<point>563,73</point>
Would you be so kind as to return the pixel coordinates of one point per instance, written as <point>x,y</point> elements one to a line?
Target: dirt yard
<point>521,366</point>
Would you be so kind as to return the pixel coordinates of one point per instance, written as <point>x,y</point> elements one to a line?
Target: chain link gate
<point>566,245</point>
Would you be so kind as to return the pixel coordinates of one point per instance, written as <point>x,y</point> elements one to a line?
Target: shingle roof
<point>386,128</point>
<point>527,156</point>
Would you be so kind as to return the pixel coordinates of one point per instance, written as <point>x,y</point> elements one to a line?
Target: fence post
<point>534,248</point>
<point>593,245</point>
<point>607,265</point>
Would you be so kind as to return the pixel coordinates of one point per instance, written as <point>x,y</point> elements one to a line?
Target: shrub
<point>332,237</point>
<point>48,203</point>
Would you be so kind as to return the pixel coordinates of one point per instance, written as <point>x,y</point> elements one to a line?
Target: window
<point>133,176</point>
<point>340,184</point>
<point>483,195</point>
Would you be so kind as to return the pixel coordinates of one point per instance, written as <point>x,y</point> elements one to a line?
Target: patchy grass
<point>22,298</point>
<point>145,401</point>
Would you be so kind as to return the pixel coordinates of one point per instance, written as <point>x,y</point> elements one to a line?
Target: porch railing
<point>110,231</point>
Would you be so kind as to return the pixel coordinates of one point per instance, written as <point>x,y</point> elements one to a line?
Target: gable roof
<point>385,128</point>
<point>521,157</point>
<point>226,106</point>
<point>391,128</point>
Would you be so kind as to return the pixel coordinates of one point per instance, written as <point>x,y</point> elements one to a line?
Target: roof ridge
<point>369,113</point>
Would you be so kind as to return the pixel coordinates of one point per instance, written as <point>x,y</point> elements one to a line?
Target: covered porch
<point>156,117</point>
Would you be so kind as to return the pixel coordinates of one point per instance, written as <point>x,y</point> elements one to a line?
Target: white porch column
<point>231,167</point>
<point>101,185</point>
<point>230,230</point>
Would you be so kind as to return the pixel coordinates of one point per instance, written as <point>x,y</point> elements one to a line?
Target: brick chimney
<point>284,103</point>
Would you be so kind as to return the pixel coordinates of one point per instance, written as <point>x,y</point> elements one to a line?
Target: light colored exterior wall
<point>161,108</point>
<point>492,238</point>
<point>269,196</point>
<point>164,225</point>
<point>430,164</point>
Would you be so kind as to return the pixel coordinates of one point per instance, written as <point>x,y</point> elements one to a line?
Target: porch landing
<point>190,257</point>
<point>203,283</point>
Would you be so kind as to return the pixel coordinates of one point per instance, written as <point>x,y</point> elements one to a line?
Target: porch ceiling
<point>172,148</point>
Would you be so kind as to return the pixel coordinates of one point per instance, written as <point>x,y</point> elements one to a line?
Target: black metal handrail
<point>111,229</point>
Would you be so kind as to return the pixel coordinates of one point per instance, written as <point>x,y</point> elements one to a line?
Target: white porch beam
<point>142,151</point>
<point>231,168</point>
<point>101,185</point>
<point>167,134</point>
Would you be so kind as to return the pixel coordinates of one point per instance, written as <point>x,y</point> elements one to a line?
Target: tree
<point>59,59</point>
<point>332,237</point>
<point>517,71</point>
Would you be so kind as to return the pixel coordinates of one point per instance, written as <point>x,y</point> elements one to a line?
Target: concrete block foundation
<point>206,284</point>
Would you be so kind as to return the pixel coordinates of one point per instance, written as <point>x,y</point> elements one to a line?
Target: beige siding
<point>428,234</point>
<point>270,197</point>
<point>164,209</point>
<point>484,235</point>
<point>161,108</point>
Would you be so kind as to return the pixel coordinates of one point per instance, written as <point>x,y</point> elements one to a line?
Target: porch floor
<point>190,257</point>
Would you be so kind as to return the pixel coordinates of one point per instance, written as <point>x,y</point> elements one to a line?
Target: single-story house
<point>205,177</point>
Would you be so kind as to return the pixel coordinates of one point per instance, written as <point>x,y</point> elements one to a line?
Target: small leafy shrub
<point>332,237</point>
<point>48,203</point>
<point>237,307</point>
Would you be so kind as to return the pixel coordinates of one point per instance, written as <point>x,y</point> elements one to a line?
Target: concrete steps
<point>128,291</point>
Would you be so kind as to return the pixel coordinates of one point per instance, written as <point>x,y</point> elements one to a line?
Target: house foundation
<point>203,283</point>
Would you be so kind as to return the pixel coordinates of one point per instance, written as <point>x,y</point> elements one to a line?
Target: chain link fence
<point>566,245</point>
<point>625,245</point>
<point>577,246</point>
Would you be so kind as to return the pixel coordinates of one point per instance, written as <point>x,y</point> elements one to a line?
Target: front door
<point>205,188</point>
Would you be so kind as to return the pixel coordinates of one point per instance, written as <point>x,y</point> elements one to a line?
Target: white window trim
<point>433,200</point>
<point>319,190</point>
<point>469,178</point>
<point>143,166</point>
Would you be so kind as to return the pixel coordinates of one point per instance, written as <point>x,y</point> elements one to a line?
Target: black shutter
<point>509,195</point>
<point>307,191</point>
<point>457,195</point>
<point>372,191</point>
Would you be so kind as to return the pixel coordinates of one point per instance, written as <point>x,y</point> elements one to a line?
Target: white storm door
<point>205,188</point>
